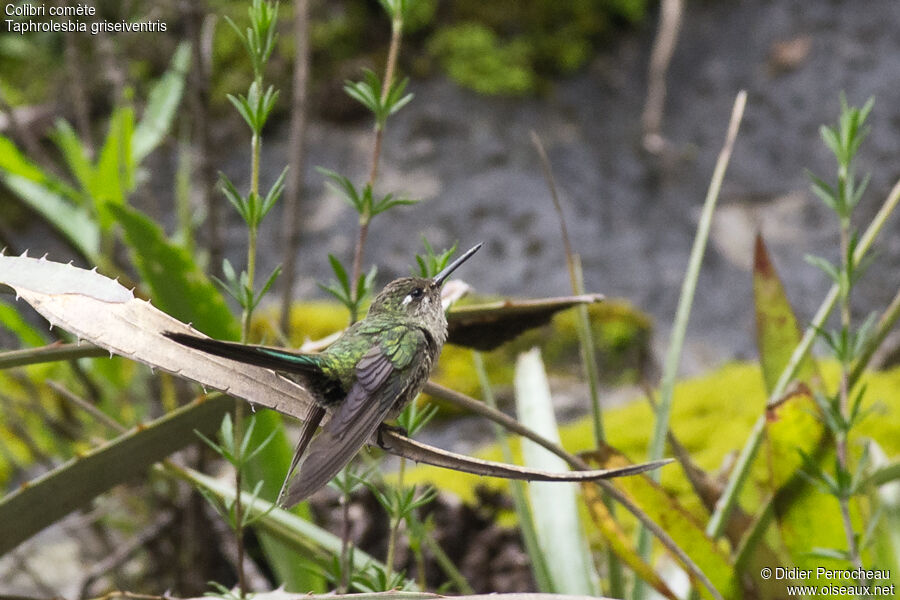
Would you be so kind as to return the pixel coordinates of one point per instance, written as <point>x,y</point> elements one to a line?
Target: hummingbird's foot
<point>392,428</point>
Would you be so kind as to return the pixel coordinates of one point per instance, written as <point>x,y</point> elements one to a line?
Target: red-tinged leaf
<point>777,331</point>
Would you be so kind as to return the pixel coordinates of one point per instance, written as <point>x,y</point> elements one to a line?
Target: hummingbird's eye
<point>413,295</point>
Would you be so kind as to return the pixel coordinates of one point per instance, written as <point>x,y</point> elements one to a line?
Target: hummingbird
<point>369,374</point>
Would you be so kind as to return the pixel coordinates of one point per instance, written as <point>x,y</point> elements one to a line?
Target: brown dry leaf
<point>487,326</point>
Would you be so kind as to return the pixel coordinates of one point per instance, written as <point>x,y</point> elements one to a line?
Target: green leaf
<point>340,272</point>
<point>825,266</point>
<point>162,105</point>
<point>16,163</point>
<point>114,175</point>
<point>366,92</point>
<point>268,284</point>
<point>234,196</point>
<point>41,502</point>
<point>265,106</point>
<point>274,194</point>
<point>12,321</point>
<point>390,201</point>
<point>830,137</point>
<point>431,263</point>
<point>396,99</point>
<point>825,192</point>
<point>74,153</point>
<point>242,105</point>
<point>74,223</point>
<point>343,187</point>
<point>179,287</point>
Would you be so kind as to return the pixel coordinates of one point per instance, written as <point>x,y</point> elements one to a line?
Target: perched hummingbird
<point>373,370</point>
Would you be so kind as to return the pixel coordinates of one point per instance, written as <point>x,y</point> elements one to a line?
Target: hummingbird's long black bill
<point>441,277</point>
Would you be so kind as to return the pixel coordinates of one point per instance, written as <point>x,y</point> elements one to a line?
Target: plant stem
<point>49,353</point>
<point>344,583</point>
<point>588,351</point>
<point>844,391</point>
<point>365,218</point>
<point>246,317</point>
<point>296,154</point>
<point>395,526</point>
<point>357,265</point>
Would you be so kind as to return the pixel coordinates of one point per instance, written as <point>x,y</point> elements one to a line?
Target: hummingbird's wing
<point>368,403</point>
<point>261,356</point>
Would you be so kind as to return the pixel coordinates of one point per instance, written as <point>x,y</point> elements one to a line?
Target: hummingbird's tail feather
<point>261,356</point>
<point>337,444</point>
<point>313,418</point>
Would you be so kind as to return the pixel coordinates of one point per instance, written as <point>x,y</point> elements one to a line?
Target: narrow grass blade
<point>685,302</point>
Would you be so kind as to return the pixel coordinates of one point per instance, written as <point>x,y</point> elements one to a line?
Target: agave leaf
<point>487,326</point>
<point>102,311</point>
<point>423,453</point>
<point>554,509</point>
<point>41,502</point>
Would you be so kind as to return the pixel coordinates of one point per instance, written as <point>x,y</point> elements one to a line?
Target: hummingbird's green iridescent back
<point>369,374</point>
<point>382,361</point>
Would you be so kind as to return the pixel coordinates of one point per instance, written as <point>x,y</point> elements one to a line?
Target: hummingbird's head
<point>418,298</point>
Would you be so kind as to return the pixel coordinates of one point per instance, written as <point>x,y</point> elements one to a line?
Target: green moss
<point>474,57</point>
<point>510,48</point>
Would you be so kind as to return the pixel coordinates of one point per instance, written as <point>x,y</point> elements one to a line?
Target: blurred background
<point>486,75</point>
<point>630,98</point>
